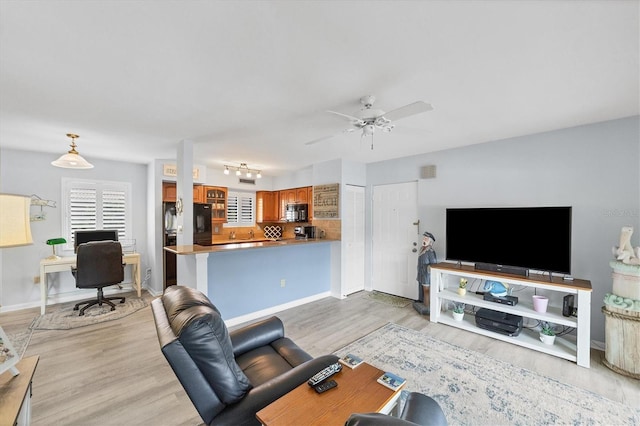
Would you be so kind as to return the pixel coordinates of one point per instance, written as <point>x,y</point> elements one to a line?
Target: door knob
<point>414,250</point>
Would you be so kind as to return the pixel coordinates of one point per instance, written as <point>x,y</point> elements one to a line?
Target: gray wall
<point>27,173</point>
<point>593,168</point>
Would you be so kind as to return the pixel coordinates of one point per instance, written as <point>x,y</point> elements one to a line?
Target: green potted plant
<point>547,335</point>
<point>458,311</point>
<point>462,287</point>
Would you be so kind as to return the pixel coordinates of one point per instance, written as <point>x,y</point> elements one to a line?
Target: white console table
<point>444,284</point>
<point>62,264</point>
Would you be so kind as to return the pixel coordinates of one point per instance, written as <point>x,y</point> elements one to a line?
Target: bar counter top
<point>242,245</point>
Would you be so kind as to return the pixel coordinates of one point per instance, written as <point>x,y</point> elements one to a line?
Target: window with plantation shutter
<point>95,205</point>
<point>240,208</point>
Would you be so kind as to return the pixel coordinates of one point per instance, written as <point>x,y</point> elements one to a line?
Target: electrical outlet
<point>283,283</point>
<point>36,279</point>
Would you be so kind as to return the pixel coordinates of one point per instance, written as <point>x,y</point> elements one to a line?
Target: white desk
<point>62,264</point>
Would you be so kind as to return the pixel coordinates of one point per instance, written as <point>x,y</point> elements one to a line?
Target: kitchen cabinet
<point>295,195</point>
<point>217,197</point>
<point>170,192</point>
<point>198,194</point>
<point>302,195</point>
<point>310,202</point>
<point>267,206</point>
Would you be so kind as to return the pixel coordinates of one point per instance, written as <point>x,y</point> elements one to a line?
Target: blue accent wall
<point>244,281</point>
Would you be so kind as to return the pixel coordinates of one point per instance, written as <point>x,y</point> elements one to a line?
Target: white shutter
<point>114,210</point>
<point>232,209</point>
<point>95,205</point>
<point>246,210</point>
<point>240,208</point>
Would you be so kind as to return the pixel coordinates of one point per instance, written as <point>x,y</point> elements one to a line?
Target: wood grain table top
<point>357,392</point>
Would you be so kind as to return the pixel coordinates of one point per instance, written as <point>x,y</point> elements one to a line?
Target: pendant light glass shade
<point>72,160</point>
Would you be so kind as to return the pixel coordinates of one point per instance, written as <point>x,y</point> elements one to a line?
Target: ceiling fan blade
<point>328,137</point>
<point>315,141</point>
<point>353,120</point>
<point>408,110</point>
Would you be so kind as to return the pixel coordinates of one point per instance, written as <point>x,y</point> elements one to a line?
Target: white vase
<point>462,291</point>
<point>546,339</point>
<point>458,316</point>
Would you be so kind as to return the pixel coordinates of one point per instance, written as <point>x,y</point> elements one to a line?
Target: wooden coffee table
<point>357,392</point>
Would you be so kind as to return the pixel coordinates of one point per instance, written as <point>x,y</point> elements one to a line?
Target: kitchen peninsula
<point>249,279</point>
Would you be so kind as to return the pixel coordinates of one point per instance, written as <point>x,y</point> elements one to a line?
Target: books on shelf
<point>351,360</point>
<point>392,381</point>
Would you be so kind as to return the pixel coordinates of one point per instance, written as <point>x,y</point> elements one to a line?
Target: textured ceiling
<point>250,81</point>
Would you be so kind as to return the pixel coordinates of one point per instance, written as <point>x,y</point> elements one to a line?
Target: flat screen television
<point>537,238</point>
<point>80,237</point>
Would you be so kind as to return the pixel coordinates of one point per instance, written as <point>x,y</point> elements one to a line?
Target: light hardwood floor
<point>114,373</point>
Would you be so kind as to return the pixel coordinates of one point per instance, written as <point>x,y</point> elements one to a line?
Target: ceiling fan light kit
<point>369,119</point>
<point>72,160</point>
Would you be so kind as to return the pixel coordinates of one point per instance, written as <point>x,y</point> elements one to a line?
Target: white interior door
<point>395,214</point>
<point>353,239</point>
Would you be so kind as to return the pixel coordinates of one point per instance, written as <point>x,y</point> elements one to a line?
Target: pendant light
<point>72,160</point>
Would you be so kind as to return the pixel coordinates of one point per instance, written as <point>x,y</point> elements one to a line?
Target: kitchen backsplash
<point>331,230</point>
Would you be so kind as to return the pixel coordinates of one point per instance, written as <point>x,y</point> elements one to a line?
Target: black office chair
<point>99,264</point>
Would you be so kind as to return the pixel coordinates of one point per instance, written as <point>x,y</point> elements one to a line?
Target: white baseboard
<point>70,296</point>
<point>270,311</point>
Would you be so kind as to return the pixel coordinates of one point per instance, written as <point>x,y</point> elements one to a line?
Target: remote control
<point>324,374</point>
<point>323,387</point>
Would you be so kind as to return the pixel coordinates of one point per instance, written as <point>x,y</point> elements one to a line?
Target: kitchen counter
<point>253,278</point>
<point>241,245</point>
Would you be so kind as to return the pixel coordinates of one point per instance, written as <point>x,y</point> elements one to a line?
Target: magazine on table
<point>351,360</point>
<point>392,381</point>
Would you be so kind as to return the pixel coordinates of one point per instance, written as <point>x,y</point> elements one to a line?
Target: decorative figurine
<point>625,251</point>
<point>496,288</point>
<point>426,257</point>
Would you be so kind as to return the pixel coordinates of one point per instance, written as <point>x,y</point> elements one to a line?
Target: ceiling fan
<point>369,119</point>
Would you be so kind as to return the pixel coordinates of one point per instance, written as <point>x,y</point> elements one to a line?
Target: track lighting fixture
<point>243,168</point>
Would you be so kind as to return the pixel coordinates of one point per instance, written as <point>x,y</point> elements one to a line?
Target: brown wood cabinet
<point>267,206</point>
<point>170,192</point>
<point>198,194</point>
<point>217,197</point>
<point>295,195</point>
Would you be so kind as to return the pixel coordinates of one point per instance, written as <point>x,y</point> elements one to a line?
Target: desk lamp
<point>53,243</point>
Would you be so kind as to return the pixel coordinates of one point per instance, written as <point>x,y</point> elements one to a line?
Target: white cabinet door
<point>395,211</point>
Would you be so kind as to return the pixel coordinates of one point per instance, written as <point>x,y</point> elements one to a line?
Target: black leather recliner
<point>419,409</point>
<point>229,377</point>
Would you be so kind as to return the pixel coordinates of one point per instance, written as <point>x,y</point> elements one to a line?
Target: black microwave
<point>296,212</point>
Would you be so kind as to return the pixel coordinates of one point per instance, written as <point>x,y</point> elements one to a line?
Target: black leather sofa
<point>228,376</point>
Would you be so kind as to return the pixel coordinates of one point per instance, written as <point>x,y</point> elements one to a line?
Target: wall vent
<point>249,181</point>
<point>428,172</point>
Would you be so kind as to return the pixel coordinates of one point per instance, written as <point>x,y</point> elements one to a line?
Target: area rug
<point>389,299</point>
<point>475,389</point>
<point>67,318</point>
<point>20,341</point>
